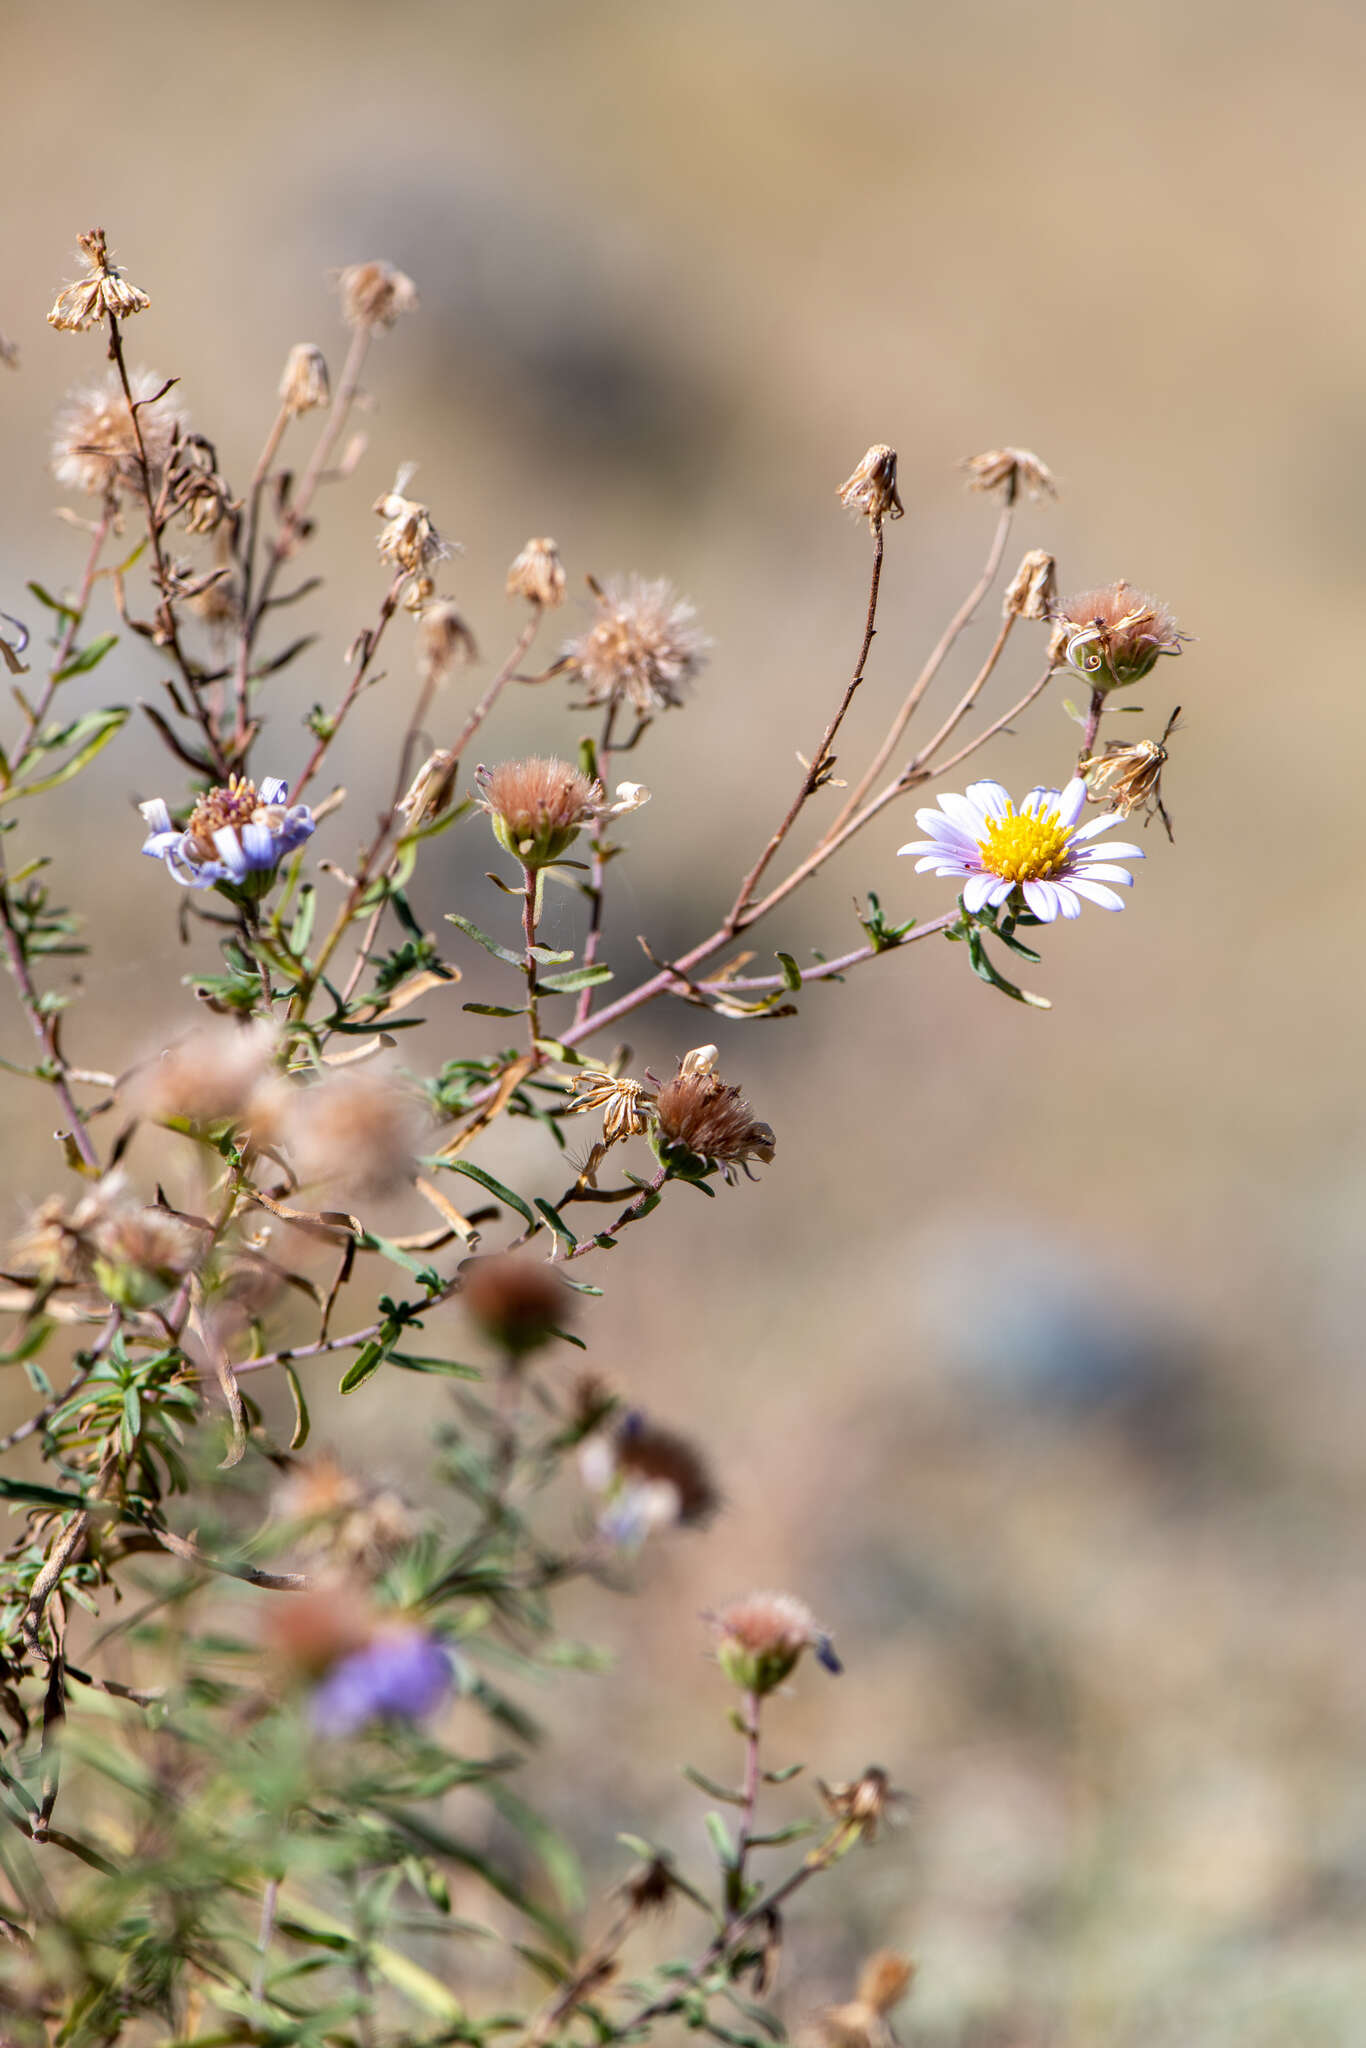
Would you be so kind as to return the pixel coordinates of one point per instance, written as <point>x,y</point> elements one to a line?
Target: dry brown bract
<point>660,1478</point>
<point>1032,591</point>
<point>871,491</point>
<point>538,574</point>
<point>700,1115</point>
<point>642,648</point>
<point>430,792</point>
<point>1009,469</point>
<point>304,386</point>
<point>883,1982</point>
<point>1114,636</point>
<point>94,447</point>
<point>375,294</point>
<point>104,293</point>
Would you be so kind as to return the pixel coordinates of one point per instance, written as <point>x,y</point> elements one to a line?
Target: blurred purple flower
<point>400,1676</point>
<point>1040,850</point>
<point>233,832</point>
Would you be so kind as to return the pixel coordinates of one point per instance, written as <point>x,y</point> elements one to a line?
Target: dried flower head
<point>341,1521</point>
<point>702,1124</point>
<point>206,1077</point>
<point>375,294</point>
<point>864,1803</point>
<point>94,447</point>
<point>627,1106</point>
<point>759,1639</point>
<point>537,806</point>
<point>649,1478</point>
<point>305,386</point>
<point>355,1133</point>
<point>1130,776</point>
<point>59,1245</point>
<point>103,293</point>
<point>408,539</point>
<point>236,836</point>
<point>1009,470</point>
<point>431,790</point>
<point>641,649</point>
<point>650,1887</point>
<point>444,641</point>
<point>1113,637</point>
<point>883,1982</point>
<point>871,491</point>
<point>517,1302</point>
<point>197,491</point>
<point>538,574</point>
<point>1042,850</point>
<point>1032,591</point>
<point>141,1254</point>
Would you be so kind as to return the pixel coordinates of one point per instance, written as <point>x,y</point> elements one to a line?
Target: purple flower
<point>402,1675</point>
<point>1040,850</point>
<point>234,832</point>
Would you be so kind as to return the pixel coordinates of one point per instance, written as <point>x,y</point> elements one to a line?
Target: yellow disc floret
<point>1025,849</point>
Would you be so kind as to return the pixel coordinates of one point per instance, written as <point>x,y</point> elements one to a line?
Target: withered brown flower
<point>871,491</point>
<point>642,648</point>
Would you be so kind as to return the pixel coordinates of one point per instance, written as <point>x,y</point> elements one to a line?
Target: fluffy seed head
<point>305,386</point>
<point>104,291</point>
<point>444,641</point>
<point>94,447</point>
<point>703,1124</point>
<point>759,1639</point>
<point>356,1134</point>
<point>537,806</point>
<point>342,1522</point>
<point>205,1078</point>
<point>538,574</point>
<point>1032,591</point>
<point>517,1302</point>
<point>375,294</point>
<point>641,649</point>
<point>1113,637</point>
<point>871,491</point>
<point>141,1254</point>
<point>1009,470</point>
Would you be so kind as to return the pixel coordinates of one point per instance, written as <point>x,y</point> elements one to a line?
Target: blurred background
<point>1033,1364</point>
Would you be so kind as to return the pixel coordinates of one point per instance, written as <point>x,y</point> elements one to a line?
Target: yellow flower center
<point>1022,849</point>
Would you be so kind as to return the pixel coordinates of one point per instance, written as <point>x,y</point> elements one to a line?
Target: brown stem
<point>353,688</point>
<point>599,870</point>
<point>1088,745</point>
<point>504,675</point>
<point>66,644</point>
<point>44,1026</point>
<point>531,902</point>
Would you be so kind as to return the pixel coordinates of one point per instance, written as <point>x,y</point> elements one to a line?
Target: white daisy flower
<point>1039,850</point>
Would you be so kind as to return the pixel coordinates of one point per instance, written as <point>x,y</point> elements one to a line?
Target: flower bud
<point>1113,637</point>
<point>537,807</point>
<point>759,1640</point>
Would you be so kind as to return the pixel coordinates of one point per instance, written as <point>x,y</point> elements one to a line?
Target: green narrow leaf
<point>299,1435</point>
<point>493,1010</point>
<point>556,1222</point>
<point>54,604</point>
<point>711,1788</point>
<point>88,657</point>
<point>39,1496</point>
<point>366,1361</point>
<point>577,977</point>
<point>792,973</point>
<point>481,938</point>
<point>720,1840</point>
<point>106,724</point>
<point>495,1187</point>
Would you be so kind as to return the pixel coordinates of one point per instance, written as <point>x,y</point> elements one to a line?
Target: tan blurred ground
<point>1034,1363</point>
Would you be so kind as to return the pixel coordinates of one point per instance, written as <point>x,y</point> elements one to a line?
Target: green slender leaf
<point>88,657</point>
<point>577,977</point>
<point>54,604</point>
<point>711,1788</point>
<point>495,1187</point>
<point>299,1434</point>
<point>720,1840</point>
<point>101,725</point>
<point>493,1010</point>
<point>556,1222</point>
<point>481,938</point>
<point>39,1496</point>
<point>792,973</point>
<point>366,1361</point>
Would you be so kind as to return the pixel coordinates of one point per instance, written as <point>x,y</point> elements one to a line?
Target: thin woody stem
<point>67,642</point>
<point>531,903</point>
<point>935,662</point>
<point>821,759</point>
<point>1088,744</point>
<point>45,1027</point>
<point>598,875</point>
<point>750,1792</point>
<point>495,688</point>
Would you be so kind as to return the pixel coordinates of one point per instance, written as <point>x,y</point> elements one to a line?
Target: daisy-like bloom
<point>305,386</point>
<point>538,574</point>
<point>235,832</point>
<point>703,1124</point>
<point>374,294</point>
<point>642,648</point>
<point>104,291</point>
<point>1009,469</point>
<point>649,1478</point>
<point>871,491</point>
<point>1039,850</point>
<point>759,1639</point>
<point>1113,637</point>
<point>94,447</point>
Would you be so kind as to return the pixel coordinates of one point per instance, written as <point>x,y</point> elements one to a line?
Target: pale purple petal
<point>160,843</point>
<point>157,814</point>
<point>1096,892</point>
<point>258,845</point>
<point>299,825</point>
<point>976,892</point>
<point>1072,802</point>
<point>968,816</point>
<point>230,851</point>
<point>1105,823</point>
<point>999,892</point>
<point>1101,871</point>
<point>1038,801</point>
<point>273,789</point>
<point>1113,849</point>
<point>1042,899</point>
<point>989,797</point>
<point>1067,901</point>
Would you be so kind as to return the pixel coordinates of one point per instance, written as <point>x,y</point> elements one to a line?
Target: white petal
<point>989,798</point>
<point>1042,899</point>
<point>1101,871</point>
<point>1067,901</point>
<point>976,890</point>
<point>157,814</point>
<point>962,812</point>
<point>1038,801</point>
<point>1113,849</point>
<point>1096,892</point>
<point>1072,801</point>
<point>1104,823</point>
<point>230,852</point>
<point>1000,892</point>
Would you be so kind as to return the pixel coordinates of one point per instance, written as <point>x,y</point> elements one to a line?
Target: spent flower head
<point>1032,591</point>
<point>1009,470</point>
<point>642,648</point>
<point>1113,637</point>
<point>516,1301</point>
<point>1128,775</point>
<point>354,1133</point>
<point>444,641</point>
<point>375,294</point>
<point>94,446</point>
<point>649,1478</point>
<point>1041,850</point>
<point>537,806</point>
<point>236,835</point>
<point>871,491</point>
<point>759,1640</point>
<point>701,1124</point>
<point>537,574</point>
<point>305,387</point>
<point>408,539</point>
<point>104,292</point>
